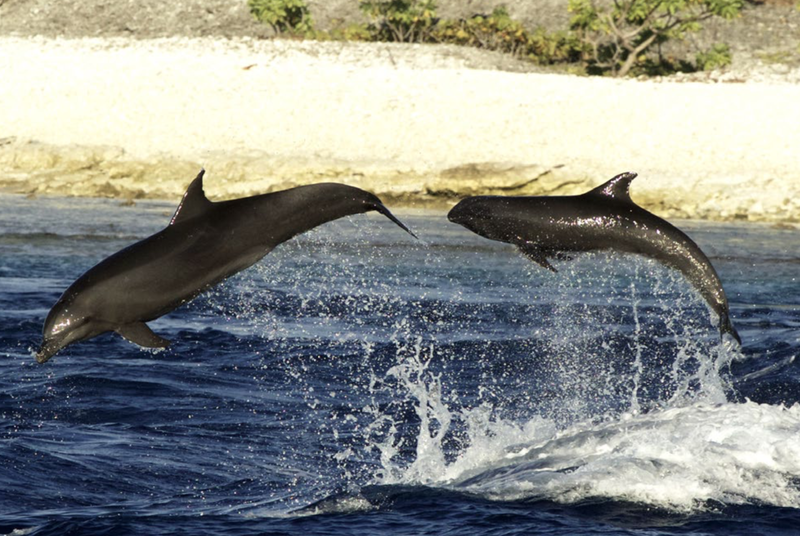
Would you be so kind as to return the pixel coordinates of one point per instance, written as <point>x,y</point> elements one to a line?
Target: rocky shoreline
<point>35,169</point>
<point>418,125</point>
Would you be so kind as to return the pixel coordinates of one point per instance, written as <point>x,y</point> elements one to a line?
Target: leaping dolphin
<point>603,218</point>
<point>204,243</point>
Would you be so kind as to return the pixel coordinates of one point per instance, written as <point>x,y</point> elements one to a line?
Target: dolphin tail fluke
<point>725,326</point>
<point>379,207</point>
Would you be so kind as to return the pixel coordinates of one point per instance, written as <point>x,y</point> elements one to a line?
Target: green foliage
<point>285,16</point>
<point>604,36</point>
<point>498,31</point>
<point>402,21</point>
<point>659,66</point>
<point>340,31</point>
<point>616,36</point>
<point>353,32</point>
<point>549,48</point>
<point>717,56</point>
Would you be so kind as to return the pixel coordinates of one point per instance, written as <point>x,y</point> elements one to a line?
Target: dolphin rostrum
<point>204,243</point>
<point>603,218</point>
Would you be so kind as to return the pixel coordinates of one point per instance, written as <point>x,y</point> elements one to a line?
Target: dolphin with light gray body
<point>604,218</point>
<point>204,243</point>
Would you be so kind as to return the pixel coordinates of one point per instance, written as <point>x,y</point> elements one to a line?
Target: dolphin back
<point>288,212</point>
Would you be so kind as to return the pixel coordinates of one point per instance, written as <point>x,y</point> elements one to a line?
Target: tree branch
<point>629,61</point>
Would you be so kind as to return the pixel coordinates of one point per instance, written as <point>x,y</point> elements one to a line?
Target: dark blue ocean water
<point>359,382</point>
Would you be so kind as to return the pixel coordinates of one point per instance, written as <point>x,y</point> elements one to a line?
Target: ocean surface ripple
<point>357,382</point>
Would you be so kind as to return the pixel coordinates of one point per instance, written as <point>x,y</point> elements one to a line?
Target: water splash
<point>613,389</point>
<point>638,366</point>
<point>595,370</point>
<point>423,388</point>
<point>680,458</point>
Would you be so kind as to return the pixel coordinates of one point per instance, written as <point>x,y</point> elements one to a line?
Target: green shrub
<point>550,48</point>
<point>351,32</point>
<point>615,36</point>
<point>402,21</point>
<point>604,37</point>
<point>500,32</point>
<point>717,56</point>
<point>497,31</point>
<point>341,31</point>
<point>285,16</point>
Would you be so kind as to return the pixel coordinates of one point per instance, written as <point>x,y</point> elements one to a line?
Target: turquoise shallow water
<point>358,382</point>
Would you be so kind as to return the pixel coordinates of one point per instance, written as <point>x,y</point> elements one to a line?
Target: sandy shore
<point>414,124</point>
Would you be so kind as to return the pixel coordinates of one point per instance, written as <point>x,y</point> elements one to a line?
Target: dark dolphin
<point>603,218</point>
<point>204,243</point>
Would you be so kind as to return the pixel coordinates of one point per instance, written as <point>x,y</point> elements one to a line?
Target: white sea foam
<point>679,457</point>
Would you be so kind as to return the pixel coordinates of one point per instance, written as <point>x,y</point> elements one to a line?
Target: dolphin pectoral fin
<point>537,255</point>
<point>139,333</point>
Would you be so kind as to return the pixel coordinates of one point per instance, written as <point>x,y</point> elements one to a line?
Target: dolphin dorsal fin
<point>194,201</point>
<point>617,188</point>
